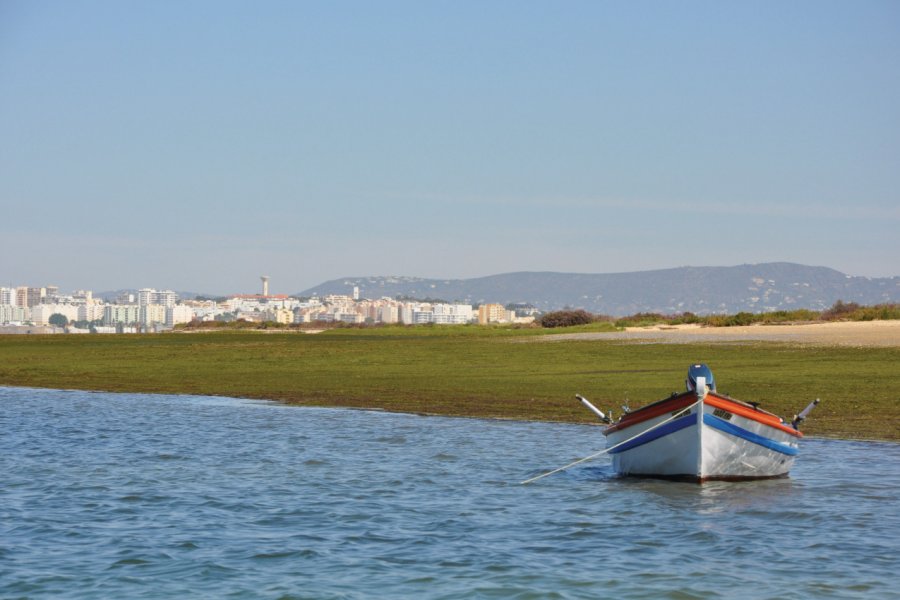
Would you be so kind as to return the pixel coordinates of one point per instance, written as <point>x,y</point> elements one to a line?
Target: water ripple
<point>106,495</point>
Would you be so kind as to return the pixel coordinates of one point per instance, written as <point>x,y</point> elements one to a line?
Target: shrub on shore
<point>840,311</point>
<point>851,311</point>
<point>566,318</point>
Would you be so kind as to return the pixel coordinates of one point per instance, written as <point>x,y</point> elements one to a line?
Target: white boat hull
<point>730,441</point>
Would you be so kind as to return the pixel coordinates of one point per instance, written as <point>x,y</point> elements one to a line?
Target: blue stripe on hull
<point>676,425</point>
<point>724,426</point>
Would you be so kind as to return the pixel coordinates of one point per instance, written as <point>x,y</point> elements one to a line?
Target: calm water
<point>136,496</point>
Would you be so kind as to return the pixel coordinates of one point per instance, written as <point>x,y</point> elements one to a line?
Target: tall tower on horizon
<point>265,282</point>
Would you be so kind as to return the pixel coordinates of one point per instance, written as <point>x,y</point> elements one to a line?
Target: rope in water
<point>678,414</point>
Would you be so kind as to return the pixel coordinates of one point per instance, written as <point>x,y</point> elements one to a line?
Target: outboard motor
<point>696,371</point>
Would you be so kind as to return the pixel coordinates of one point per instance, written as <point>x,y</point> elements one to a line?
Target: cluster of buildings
<point>41,309</point>
<point>45,306</point>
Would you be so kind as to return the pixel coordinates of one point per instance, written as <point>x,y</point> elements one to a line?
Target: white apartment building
<point>388,313</point>
<point>279,315</point>
<point>311,303</point>
<point>35,295</point>
<point>237,304</point>
<point>406,312</point>
<point>90,312</point>
<point>416,313</point>
<point>279,302</point>
<point>205,310</point>
<point>40,313</point>
<point>495,313</point>
<point>120,314</point>
<point>166,298</point>
<point>148,296</point>
<point>151,313</point>
<point>178,314</point>
<point>87,296</point>
<point>7,296</point>
<point>14,314</point>
<point>349,317</point>
<point>452,314</point>
<point>421,317</point>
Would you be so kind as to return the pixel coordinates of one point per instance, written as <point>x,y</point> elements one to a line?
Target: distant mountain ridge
<point>762,287</point>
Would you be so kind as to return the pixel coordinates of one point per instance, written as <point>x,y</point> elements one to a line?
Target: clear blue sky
<point>198,145</point>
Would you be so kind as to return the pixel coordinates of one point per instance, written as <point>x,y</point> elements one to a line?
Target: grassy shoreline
<point>469,372</point>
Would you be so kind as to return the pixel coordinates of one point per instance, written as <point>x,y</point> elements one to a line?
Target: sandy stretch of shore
<point>860,334</point>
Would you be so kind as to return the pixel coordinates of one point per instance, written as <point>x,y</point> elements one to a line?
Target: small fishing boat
<point>702,435</point>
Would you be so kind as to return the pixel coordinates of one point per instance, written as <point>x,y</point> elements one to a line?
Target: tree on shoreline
<point>60,320</point>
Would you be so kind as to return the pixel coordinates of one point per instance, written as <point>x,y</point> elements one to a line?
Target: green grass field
<point>467,371</point>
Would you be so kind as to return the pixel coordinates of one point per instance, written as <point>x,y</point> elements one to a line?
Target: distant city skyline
<point>198,146</point>
<point>27,310</point>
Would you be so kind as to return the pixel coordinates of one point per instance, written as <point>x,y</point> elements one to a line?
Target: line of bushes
<point>197,325</point>
<point>840,311</point>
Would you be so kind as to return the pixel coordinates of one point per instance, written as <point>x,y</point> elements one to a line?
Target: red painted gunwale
<point>651,411</point>
<point>685,399</point>
<point>749,412</point>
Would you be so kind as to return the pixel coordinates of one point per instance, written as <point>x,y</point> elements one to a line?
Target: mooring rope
<point>679,413</point>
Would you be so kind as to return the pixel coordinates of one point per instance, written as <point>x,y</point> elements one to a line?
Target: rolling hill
<point>702,290</point>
